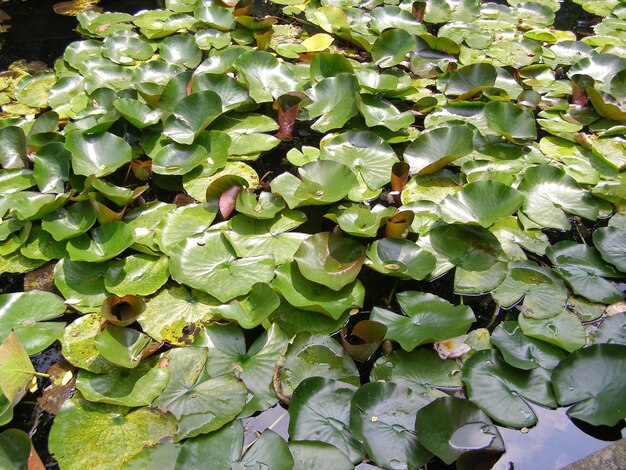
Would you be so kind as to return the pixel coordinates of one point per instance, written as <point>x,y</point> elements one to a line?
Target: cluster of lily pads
<point>208,195</point>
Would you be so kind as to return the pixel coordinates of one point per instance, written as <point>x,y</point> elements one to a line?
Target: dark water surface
<point>37,33</point>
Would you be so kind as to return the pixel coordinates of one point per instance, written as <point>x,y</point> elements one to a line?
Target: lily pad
<point>102,431</point>
<point>513,122</point>
<point>563,330</point>
<point>126,387</point>
<point>467,246</point>
<point>251,310</point>
<point>611,244</point>
<point>400,258</point>
<point>266,77</point>
<point>122,346</point>
<point>592,379</point>
<point>136,275</point>
<point>103,242</point>
<point>97,154</point>
<point>320,410</point>
<point>333,101</point>
<point>309,455</point>
<point>428,319</point>
<point>612,330</point>
<point>182,223</point>
<point>501,390</point>
<point>81,283</point>
<point>17,370</point>
<point>191,115</point>
<point>70,221</point>
<point>382,416</point>
<point>25,314</point>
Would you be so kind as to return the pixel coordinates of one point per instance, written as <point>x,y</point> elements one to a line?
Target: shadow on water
<point>37,33</point>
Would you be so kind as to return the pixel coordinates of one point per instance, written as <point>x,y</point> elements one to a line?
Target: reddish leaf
<point>399,175</point>
<point>398,225</point>
<point>62,379</point>
<point>228,200</point>
<point>142,170</point>
<point>287,106</point>
<point>182,199</point>
<point>579,96</point>
<point>122,311</point>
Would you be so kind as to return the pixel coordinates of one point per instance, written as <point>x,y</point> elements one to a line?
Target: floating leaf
<point>122,311</point>
<point>334,99</point>
<point>136,274</point>
<point>70,221</point>
<point>429,318</point>
<point>17,370</point>
<point>191,115</point>
<point>103,242</point>
<point>251,310</point>
<point>563,330</point>
<point>611,244</point>
<point>612,330</point>
<point>315,454</point>
<point>515,123</point>
<point>82,283</point>
<point>400,258</point>
<point>266,77</point>
<point>592,379</point>
<point>97,154</point>
<point>15,449</point>
<point>123,347</point>
<point>182,223</point>
<point>499,389</point>
<point>466,246</point>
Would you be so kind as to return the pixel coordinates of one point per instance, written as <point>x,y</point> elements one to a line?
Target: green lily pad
<point>102,431</point>
<point>81,283</point>
<point>122,346</point>
<point>180,49</point>
<point>293,320</point>
<point>429,319</point>
<point>522,351</point>
<point>251,310</point>
<point>514,123</point>
<point>382,416</point>
<point>137,113</point>
<point>360,220</point>
<point>310,355</point>
<point>143,221</point>
<point>182,223</point>
<point>25,313</point>
<point>467,246</point>
<point>265,76</point>
<point>612,330</point>
<point>52,167</point>
<point>320,410</point>
<point>70,221</point>
<point>585,271</point>
<point>421,370</point>
<point>103,242</point>
<point>78,344</point>
<point>125,387</point>
<point>17,370</point>
<point>400,258</point>
<point>232,93</point>
<point>322,182</point>
<point>392,47</point>
<point>15,449</point>
<point>479,282</point>
<point>501,390</point>
<point>308,295</point>
<point>436,148</point>
<point>264,206</point>
<point>333,101</point>
<point>544,293</point>
<point>97,154</point>
<point>592,379</point>
<point>248,139</point>
<point>177,314</point>
<point>470,80</point>
<point>136,275</point>
<point>254,365</point>
<point>456,430</point>
<point>329,259</point>
<point>200,405</point>
<point>33,91</point>
<point>41,245</point>
<point>380,112</point>
<point>309,455</point>
<point>549,192</point>
<point>31,205</point>
<point>563,330</point>
<point>209,263</point>
<point>367,154</point>
<point>611,244</point>
<point>191,115</point>
<point>13,144</point>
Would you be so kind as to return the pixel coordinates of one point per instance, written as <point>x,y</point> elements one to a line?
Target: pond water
<point>37,33</point>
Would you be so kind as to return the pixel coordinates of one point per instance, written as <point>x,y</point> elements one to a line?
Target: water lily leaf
<point>127,48</point>
<point>358,219</point>
<point>309,455</point>
<point>611,244</point>
<point>254,366</point>
<point>102,432</point>
<point>483,202</point>
<point>322,182</point>
<point>264,206</point>
<point>182,223</point>
<point>270,450</point>
<point>180,50</point>
<point>13,144</point>
<point>15,449</point>
<point>209,263</point>
<point>391,16</point>
<point>304,294</point>
<point>103,242</point>
<point>200,405</point>
<point>549,192</point>
<point>150,78</point>
<point>592,379</point>
<point>320,410</point>
<point>367,154</point>
<point>524,352</point>
<point>41,245</point>
<point>178,159</point>
<point>191,115</point>
<point>400,258</point>
<point>32,205</point>
<point>51,168</point>
<point>363,340</point>
<point>126,387</point>
<point>612,330</point>
<point>334,99</point>
<point>17,179</point>
<point>382,416</point>
<point>330,259</point>
<point>25,314</point>
<point>421,370</point>
<point>251,310</point>
<point>468,81</point>
<point>392,47</point>
<point>122,311</point>
<point>584,270</point>
<point>436,148</point>
<point>246,133</point>
<point>215,16</point>
<point>563,330</point>
<point>81,283</point>
<point>514,239</point>
<point>143,221</point>
<point>479,282</point>
<point>470,247</point>
<point>293,320</point>
<point>266,77</point>
<point>232,93</point>
<point>212,39</point>
<point>33,90</point>
<point>456,430</point>
<point>256,237</point>
<point>17,370</point>
<point>545,295</point>
<point>177,314</point>
<point>97,154</point>
<point>311,355</point>
<point>137,274</point>
<point>380,112</point>
<point>121,346</point>
<point>137,113</point>
<point>501,390</point>
<point>514,123</point>
<point>78,344</point>
<point>429,318</point>
<point>327,64</point>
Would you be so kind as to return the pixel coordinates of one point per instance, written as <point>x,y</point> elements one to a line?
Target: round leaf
<point>97,154</point>
<point>467,246</point>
